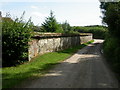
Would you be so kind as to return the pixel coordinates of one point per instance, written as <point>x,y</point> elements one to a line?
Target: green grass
<point>12,76</point>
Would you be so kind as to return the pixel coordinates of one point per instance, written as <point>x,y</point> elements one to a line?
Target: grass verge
<point>12,76</point>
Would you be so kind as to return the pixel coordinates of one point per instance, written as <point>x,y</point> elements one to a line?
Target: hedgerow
<point>15,37</point>
<point>111,12</point>
<point>98,32</point>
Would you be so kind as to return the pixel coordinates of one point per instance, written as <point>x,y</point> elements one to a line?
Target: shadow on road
<point>85,69</point>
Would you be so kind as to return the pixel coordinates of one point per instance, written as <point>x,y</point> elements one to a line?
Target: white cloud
<point>38,17</point>
<point>48,0</point>
<point>21,0</point>
<point>34,7</point>
<point>109,0</point>
<point>82,14</point>
<point>38,14</point>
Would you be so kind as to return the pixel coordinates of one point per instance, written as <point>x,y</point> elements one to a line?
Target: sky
<point>76,12</point>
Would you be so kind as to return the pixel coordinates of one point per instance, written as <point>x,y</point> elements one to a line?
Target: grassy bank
<point>38,66</point>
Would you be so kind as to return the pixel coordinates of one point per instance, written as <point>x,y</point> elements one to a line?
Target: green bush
<point>98,32</point>
<point>111,17</point>
<point>66,27</point>
<point>112,52</point>
<point>15,37</point>
<point>110,45</point>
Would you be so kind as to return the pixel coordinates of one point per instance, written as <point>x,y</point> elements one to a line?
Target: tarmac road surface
<point>85,69</point>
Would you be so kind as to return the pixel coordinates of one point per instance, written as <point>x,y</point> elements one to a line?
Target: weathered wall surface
<point>55,43</point>
<point>85,39</point>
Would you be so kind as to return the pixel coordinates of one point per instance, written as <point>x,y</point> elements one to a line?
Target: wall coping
<point>38,35</point>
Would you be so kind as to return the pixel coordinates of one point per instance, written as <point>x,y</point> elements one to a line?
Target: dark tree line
<point>111,17</point>
<point>51,25</point>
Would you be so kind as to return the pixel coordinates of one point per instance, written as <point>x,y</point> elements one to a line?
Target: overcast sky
<point>76,12</point>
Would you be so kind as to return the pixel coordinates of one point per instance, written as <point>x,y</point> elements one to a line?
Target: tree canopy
<point>51,24</point>
<point>111,17</point>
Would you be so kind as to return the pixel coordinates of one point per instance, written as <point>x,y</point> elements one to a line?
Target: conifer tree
<point>51,24</point>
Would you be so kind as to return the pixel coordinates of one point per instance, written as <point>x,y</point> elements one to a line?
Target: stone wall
<point>49,43</point>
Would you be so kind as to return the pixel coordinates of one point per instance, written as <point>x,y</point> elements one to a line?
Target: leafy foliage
<point>66,27</point>
<point>112,51</point>
<point>51,24</point>
<point>111,17</point>
<point>98,32</point>
<point>15,36</point>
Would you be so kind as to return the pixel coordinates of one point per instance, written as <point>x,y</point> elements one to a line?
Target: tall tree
<point>66,27</point>
<point>111,16</point>
<point>51,24</point>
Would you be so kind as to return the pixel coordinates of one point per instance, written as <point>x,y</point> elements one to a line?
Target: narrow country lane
<point>85,69</point>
